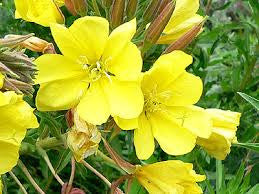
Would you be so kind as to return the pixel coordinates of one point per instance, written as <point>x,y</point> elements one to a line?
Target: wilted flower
<point>15,117</point>
<point>169,115</point>
<point>42,12</point>
<point>83,138</point>
<point>172,176</point>
<point>224,129</point>
<point>182,20</point>
<point>97,71</point>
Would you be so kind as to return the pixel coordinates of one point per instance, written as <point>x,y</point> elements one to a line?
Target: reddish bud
<point>77,7</point>
<point>117,13</point>
<point>156,28</point>
<point>149,13</point>
<point>186,39</point>
<point>131,9</point>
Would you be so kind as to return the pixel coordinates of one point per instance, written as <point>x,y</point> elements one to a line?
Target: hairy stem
<point>18,182</point>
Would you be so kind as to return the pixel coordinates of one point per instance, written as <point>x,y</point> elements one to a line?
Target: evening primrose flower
<point>15,117</point>
<point>183,19</point>
<point>224,129</point>
<point>83,139</point>
<point>169,115</point>
<point>97,71</point>
<point>42,12</point>
<point>174,177</point>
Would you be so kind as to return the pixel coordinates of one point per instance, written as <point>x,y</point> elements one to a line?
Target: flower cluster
<point>99,77</point>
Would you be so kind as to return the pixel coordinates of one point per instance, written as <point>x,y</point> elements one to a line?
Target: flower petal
<point>128,64</point>
<point>193,118</point>
<point>184,9</point>
<point>119,39</point>
<point>92,33</point>
<point>94,106</point>
<point>125,98</point>
<point>144,134</point>
<point>126,124</point>
<point>179,30</point>
<point>56,67</point>
<point>8,156</point>
<point>165,70</point>
<point>68,44</point>
<point>60,94</point>
<point>173,139</point>
<point>185,90</point>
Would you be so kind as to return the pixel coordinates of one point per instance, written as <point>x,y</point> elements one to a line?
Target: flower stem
<point>43,153</point>
<point>18,182</point>
<point>71,179</point>
<point>28,175</point>
<point>97,173</point>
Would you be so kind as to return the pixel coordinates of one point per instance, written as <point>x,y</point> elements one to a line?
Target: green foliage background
<point>226,58</point>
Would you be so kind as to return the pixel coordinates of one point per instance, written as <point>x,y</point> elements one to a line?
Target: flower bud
<point>186,39</point>
<point>77,7</point>
<point>156,28</point>
<point>150,11</point>
<point>131,9</point>
<point>83,139</point>
<point>117,13</point>
<point>14,40</point>
<point>162,6</point>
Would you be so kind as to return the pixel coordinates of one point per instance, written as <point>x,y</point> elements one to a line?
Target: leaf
<point>254,102</point>
<point>253,190</point>
<point>136,188</point>
<point>251,146</point>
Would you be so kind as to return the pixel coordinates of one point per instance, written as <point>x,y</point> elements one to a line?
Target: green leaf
<point>254,102</point>
<point>254,189</point>
<point>136,188</point>
<point>251,146</point>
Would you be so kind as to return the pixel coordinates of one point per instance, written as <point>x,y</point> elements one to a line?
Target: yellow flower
<point>1,80</point>
<point>15,117</point>
<point>182,20</point>
<point>172,177</point>
<point>97,71</point>
<point>1,186</point>
<point>43,12</point>
<point>169,115</point>
<point>224,129</point>
<point>83,139</point>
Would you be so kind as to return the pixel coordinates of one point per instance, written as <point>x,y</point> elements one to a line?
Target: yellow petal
<point>143,138</point>
<point>92,33</point>
<point>216,145</point>
<point>165,70</point>
<point>61,94</point>
<point>94,106</point>
<point>119,39</point>
<point>8,156</point>
<point>125,98</point>
<point>43,12</point>
<point>185,90</point>
<point>174,176</point>
<point>126,124</point>
<point>128,64</point>
<point>54,67</point>
<point>184,10</point>
<point>193,118</point>
<point>1,80</point>
<point>68,44</point>
<point>173,139</point>
<point>225,119</point>
<point>179,30</point>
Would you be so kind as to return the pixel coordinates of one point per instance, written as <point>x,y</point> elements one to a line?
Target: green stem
<point>18,182</point>
<point>28,175</point>
<point>248,74</point>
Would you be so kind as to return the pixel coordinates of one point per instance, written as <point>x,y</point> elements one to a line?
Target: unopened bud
<point>162,6</point>
<point>156,28</point>
<point>14,40</point>
<point>150,11</point>
<point>131,9</point>
<point>186,39</point>
<point>117,13</point>
<point>77,7</point>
